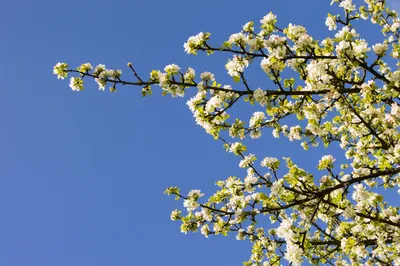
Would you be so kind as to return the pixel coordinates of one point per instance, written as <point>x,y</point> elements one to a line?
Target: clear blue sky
<point>82,175</point>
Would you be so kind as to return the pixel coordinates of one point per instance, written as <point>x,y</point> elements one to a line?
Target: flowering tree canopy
<point>340,90</point>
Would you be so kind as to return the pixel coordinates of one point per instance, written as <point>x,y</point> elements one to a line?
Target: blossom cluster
<point>341,91</point>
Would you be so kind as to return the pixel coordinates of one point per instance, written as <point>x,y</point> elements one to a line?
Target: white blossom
<point>380,49</point>
<point>76,84</point>
<point>330,23</point>
<point>348,5</point>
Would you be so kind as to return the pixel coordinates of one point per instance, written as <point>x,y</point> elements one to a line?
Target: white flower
<point>206,214</point>
<point>195,42</point>
<point>284,230</point>
<point>175,215</point>
<point>248,27</point>
<point>172,69</point>
<point>256,119</point>
<point>114,74</point>
<point>85,68</point>
<point>247,161</point>
<point>275,40</point>
<point>345,31</point>
<point>294,253</point>
<point>98,69</point>
<point>317,70</point>
<point>268,18</point>
<point>326,162</point>
<point>360,194</point>
<point>237,202</point>
<point>60,69</point>
<point>348,5</point>
<point>275,133</point>
<point>250,229</point>
<point>305,40</point>
<point>205,230</point>
<point>102,84</point>
<point>76,84</point>
<point>395,111</point>
<point>271,63</point>
<point>342,46</point>
<point>295,31</point>
<point>213,103</point>
<point>195,194</point>
<point>295,133</point>
<point>379,49</point>
<point>237,38</point>
<point>236,65</point>
<point>240,235</point>
<point>361,48</point>
<point>270,162</point>
<point>102,78</point>
<point>260,96</point>
<point>205,76</point>
<point>155,75</point>
<point>395,26</point>
<point>237,148</point>
<point>189,75</point>
<point>278,52</point>
<point>330,23</point>
<point>250,179</point>
<point>276,187</point>
<point>190,205</point>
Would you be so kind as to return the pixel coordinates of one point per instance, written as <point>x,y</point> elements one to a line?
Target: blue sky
<point>82,174</point>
